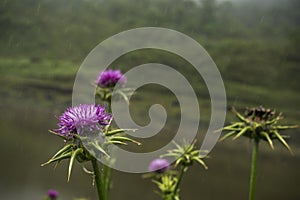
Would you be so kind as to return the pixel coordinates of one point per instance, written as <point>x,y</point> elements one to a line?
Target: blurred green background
<point>255,44</point>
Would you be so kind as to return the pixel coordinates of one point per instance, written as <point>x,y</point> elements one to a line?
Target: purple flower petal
<point>159,165</point>
<point>109,78</point>
<point>90,116</point>
<point>52,194</point>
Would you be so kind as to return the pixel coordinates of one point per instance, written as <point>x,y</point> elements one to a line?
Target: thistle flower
<point>52,194</point>
<point>258,123</point>
<point>186,155</point>
<point>159,165</point>
<point>169,183</point>
<point>167,186</point>
<point>87,133</point>
<point>86,115</point>
<point>74,123</point>
<point>109,78</point>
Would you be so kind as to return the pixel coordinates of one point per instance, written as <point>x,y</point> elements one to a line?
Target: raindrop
<point>38,8</point>
<point>262,19</point>
<point>10,40</point>
<point>166,10</point>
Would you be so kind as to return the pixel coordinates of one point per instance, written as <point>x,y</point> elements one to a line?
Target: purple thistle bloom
<point>159,165</point>
<point>90,116</point>
<point>52,194</point>
<point>109,78</point>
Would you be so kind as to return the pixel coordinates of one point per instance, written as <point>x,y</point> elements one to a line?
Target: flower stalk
<point>106,82</point>
<point>168,180</point>
<point>179,179</point>
<point>97,178</point>
<point>253,170</point>
<point>258,124</point>
<point>87,133</point>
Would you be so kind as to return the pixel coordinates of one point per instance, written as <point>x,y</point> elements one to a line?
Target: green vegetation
<point>255,45</point>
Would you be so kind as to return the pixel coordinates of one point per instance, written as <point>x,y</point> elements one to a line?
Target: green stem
<point>106,180</point>
<point>98,179</point>
<point>107,171</point>
<point>253,170</point>
<point>180,176</point>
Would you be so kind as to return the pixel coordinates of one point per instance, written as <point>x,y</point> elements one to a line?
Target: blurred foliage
<point>243,38</point>
<point>255,45</point>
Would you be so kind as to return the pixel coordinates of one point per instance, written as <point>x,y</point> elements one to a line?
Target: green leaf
<point>231,129</point>
<point>63,156</point>
<point>187,158</point>
<point>227,135</point>
<point>195,152</point>
<point>61,136</point>
<point>179,151</point>
<point>239,115</point>
<point>236,124</point>
<point>123,139</point>
<point>123,95</point>
<point>115,142</point>
<point>274,121</point>
<point>87,171</point>
<point>63,150</point>
<point>178,147</point>
<point>98,147</point>
<point>282,141</point>
<point>266,135</point>
<point>116,131</point>
<point>189,148</point>
<point>201,162</point>
<point>241,132</point>
<point>127,89</point>
<point>74,154</point>
<point>178,161</point>
<point>285,127</point>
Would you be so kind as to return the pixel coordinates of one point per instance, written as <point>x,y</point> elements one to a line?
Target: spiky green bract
<point>186,155</point>
<point>167,186</point>
<point>105,94</point>
<point>169,181</point>
<point>75,147</point>
<point>258,123</point>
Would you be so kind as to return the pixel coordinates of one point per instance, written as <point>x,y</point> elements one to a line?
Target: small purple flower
<point>52,194</point>
<point>90,116</point>
<point>159,165</point>
<point>109,78</point>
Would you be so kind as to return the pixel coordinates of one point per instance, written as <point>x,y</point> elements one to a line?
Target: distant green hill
<point>255,46</point>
